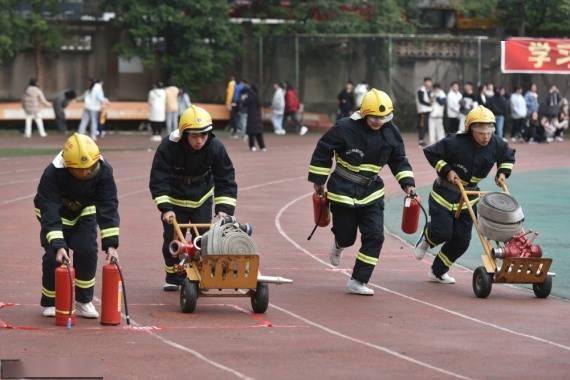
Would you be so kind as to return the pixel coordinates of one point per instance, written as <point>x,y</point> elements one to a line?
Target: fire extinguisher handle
<point>413,194</point>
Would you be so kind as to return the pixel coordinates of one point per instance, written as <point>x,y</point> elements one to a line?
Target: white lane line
<point>192,352</point>
<point>14,200</point>
<point>405,296</point>
<point>368,344</point>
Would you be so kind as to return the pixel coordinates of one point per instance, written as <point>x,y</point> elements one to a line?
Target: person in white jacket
<point>32,102</point>
<point>436,131</point>
<point>157,110</point>
<point>94,99</point>
<point>278,108</point>
<point>453,107</point>
<point>518,113</point>
<point>359,91</point>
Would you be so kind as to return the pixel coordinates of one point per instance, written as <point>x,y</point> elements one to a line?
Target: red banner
<point>535,55</point>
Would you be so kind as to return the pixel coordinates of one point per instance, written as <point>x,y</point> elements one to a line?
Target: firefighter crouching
<point>467,157</point>
<point>76,193</point>
<point>361,144</point>
<point>190,167</point>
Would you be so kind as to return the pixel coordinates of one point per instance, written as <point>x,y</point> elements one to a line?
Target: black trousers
<point>370,221</point>
<point>452,125</point>
<point>455,234</point>
<point>82,240</point>
<point>256,136</point>
<point>234,116</point>
<point>517,127</point>
<point>202,214</point>
<point>423,126</point>
<point>157,127</point>
<point>295,118</point>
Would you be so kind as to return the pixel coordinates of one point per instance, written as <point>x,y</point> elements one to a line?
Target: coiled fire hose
<point>226,237</point>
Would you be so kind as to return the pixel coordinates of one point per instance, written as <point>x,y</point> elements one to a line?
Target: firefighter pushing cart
<point>233,275</point>
<point>521,259</point>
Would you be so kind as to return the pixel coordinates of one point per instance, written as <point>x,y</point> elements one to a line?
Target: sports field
<point>410,329</point>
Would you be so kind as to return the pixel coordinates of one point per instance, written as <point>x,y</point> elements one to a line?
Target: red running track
<point>410,329</point>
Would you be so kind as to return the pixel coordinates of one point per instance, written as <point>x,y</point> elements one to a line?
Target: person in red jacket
<point>292,109</point>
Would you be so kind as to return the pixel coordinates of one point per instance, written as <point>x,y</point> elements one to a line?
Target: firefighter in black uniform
<point>190,167</point>
<point>361,144</point>
<point>76,193</point>
<point>467,157</point>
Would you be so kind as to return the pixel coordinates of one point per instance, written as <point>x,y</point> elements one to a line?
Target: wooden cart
<point>519,270</point>
<point>222,276</point>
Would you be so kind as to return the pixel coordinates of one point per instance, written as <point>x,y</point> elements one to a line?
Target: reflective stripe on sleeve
<point>506,165</point>
<point>108,232</point>
<point>54,235</point>
<point>226,200</point>
<point>404,174</point>
<point>319,170</point>
<point>440,164</point>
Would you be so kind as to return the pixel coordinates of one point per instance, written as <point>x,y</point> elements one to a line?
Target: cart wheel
<point>260,299</point>
<point>482,282</point>
<point>543,290</point>
<point>188,296</point>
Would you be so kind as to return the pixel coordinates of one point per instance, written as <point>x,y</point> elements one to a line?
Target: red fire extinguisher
<point>113,287</point>
<point>111,296</point>
<point>64,295</point>
<point>321,212</point>
<point>411,213</point>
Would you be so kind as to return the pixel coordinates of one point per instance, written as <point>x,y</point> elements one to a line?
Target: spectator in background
<point>453,106</point>
<point>531,100</point>
<point>183,101</point>
<point>157,110</point>
<point>518,113</point>
<point>345,101</point>
<point>60,101</point>
<point>423,107</point>
<point>229,96</point>
<point>278,108</point>
<point>498,104</point>
<point>467,103</point>
<point>534,133</point>
<point>553,100</point>
<point>235,111</point>
<point>359,91</point>
<point>481,97</point>
<point>94,99</point>
<point>254,126</point>
<point>292,107</point>
<point>32,102</point>
<point>436,131</point>
<point>560,124</point>
<point>242,119</point>
<point>171,93</point>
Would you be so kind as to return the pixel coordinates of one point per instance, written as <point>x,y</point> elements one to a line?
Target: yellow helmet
<point>195,120</point>
<point>377,103</point>
<point>479,114</point>
<point>80,152</point>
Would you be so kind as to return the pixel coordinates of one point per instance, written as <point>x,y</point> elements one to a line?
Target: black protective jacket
<point>187,178</point>
<point>62,201</point>
<point>472,163</point>
<point>359,149</point>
